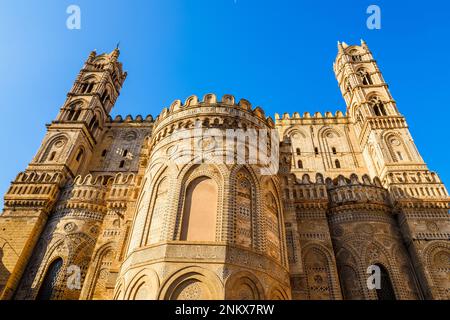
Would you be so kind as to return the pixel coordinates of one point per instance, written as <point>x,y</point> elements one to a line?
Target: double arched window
<point>364,76</point>
<point>74,112</point>
<point>378,107</point>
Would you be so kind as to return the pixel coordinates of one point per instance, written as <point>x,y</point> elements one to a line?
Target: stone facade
<point>100,212</point>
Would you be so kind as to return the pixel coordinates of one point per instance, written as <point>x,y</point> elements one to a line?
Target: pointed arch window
<point>48,286</point>
<point>386,291</point>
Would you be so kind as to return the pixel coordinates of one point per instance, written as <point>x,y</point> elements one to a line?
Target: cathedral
<point>103,212</point>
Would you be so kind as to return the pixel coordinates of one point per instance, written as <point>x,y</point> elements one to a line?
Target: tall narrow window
<point>92,122</point>
<point>125,152</point>
<point>200,211</point>
<point>104,153</point>
<point>316,151</point>
<point>337,164</point>
<point>121,164</point>
<point>77,115</point>
<point>300,164</point>
<point>79,155</point>
<point>71,113</point>
<point>334,150</point>
<point>386,291</point>
<point>52,156</point>
<point>298,151</point>
<point>48,285</point>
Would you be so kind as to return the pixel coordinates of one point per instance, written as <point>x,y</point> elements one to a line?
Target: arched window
<point>52,156</point>
<point>337,164</point>
<point>316,151</point>
<point>125,153</point>
<point>378,107</point>
<point>365,77</point>
<point>104,152</point>
<point>48,285</point>
<point>79,155</point>
<point>104,96</point>
<point>92,122</point>
<point>299,164</point>
<point>121,164</point>
<point>87,87</point>
<point>200,211</point>
<point>298,151</point>
<point>334,150</point>
<point>400,156</point>
<point>74,112</point>
<point>386,291</point>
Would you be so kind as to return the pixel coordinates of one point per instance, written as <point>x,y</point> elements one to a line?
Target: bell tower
<point>82,117</point>
<point>382,131</point>
<point>65,152</point>
<point>419,198</point>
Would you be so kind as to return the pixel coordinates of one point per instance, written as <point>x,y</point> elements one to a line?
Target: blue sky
<point>277,54</point>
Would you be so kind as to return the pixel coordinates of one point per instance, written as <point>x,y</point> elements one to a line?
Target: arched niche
<point>200,210</point>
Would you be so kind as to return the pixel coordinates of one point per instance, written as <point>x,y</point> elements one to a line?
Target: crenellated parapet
<point>33,189</point>
<point>308,118</point>
<point>88,192</point>
<point>210,113</point>
<point>420,185</point>
<point>130,119</point>
<point>350,191</point>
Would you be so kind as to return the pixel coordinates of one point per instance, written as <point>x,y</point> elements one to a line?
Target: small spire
<point>340,48</point>
<point>364,45</point>
<point>116,52</point>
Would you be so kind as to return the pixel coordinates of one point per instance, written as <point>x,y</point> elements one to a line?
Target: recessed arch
<point>200,210</point>
<point>193,283</point>
<point>243,285</point>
